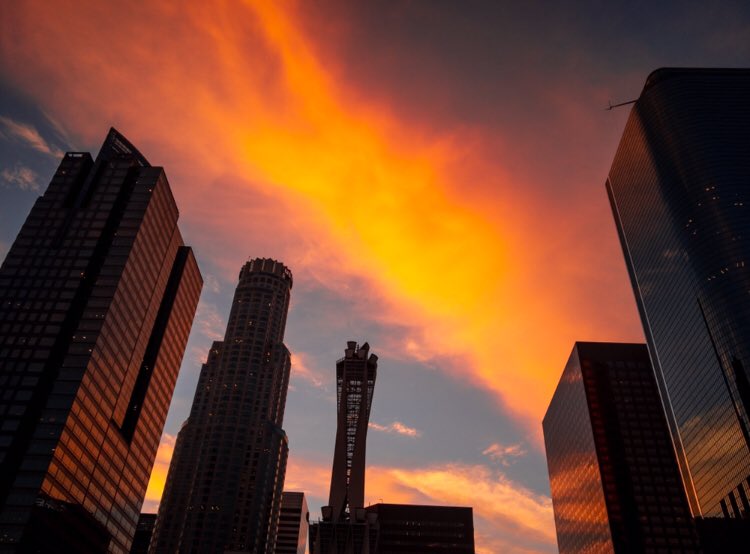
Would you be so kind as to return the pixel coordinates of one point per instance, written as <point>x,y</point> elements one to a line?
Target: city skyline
<point>435,173</point>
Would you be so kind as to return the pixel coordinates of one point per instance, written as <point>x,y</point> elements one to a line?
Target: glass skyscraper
<point>97,297</point>
<point>613,474</point>
<point>679,188</point>
<point>225,481</point>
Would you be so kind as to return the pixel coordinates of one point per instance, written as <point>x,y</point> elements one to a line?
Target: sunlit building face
<point>614,479</point>
<point>679,187</point>
<point>97,297</point>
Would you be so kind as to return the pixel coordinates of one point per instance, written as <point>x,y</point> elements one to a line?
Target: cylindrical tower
<point>235,448</point>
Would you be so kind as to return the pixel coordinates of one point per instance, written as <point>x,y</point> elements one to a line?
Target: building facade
<point>143,533</point>
<point>97,297</point>
<point>223,490</point>
<point>679,190</point>
<point>294,516</point>
<point>615,483</point>
<point>415,529</point>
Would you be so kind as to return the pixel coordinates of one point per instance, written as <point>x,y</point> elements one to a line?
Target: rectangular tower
<point>223,490</point>
<point>97,297</point>
<point>679,188</point>
<point>411,528</point>
<point>614,478</point>
<point>293,524</point>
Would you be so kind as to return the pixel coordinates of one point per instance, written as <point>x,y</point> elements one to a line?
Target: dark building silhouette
<point>224,485</point>
<point>615,482</point>
<point>143,532</point>
<point>97,297</point>
<point>679,187</point>
<point>414,529</point>
<point>291,537</point>
<point>355,383</point>
<point>345,527</point>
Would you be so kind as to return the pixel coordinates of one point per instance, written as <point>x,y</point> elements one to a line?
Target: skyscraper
<point>291,537</point>
<point>679,190</point>
<point>355,383</point>
<point>615,483</point>
<point>97,297</point>
<point>224,486</point>
<point>345,527</point>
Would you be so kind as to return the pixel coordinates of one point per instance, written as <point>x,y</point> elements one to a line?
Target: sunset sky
<point>433,174</point>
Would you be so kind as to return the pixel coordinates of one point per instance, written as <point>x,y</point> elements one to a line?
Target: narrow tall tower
<point>97,296</point>
<point>355,382</point>
<point>224,486</point>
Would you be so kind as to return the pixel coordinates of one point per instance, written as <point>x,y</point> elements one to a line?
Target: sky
<point>433,174</point>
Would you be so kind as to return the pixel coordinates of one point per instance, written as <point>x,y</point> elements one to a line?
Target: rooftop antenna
<point>611,105</point>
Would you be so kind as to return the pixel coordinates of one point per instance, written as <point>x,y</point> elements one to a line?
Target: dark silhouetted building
<point>143,532</point>
<point>97,297</point>
<point>291,537</point>
<point>345,528</point>
<point>414,529</point>
<point>615,482</point>
<point>679,188</point>
<point>355,383</point>
<point>224,485</point>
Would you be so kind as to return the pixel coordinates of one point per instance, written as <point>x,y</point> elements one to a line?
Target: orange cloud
<point>437,229</point>
<point>159,474</point>
<point>507,516</point>
<point>396,427</point>
<point>301,370</point>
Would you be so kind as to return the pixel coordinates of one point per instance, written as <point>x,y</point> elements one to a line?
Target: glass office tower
<point>97,297</point>
<point>224,486</point>
<point>613,474</point>
<point>679,188</point>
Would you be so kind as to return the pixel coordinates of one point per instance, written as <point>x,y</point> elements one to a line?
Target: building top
<point>117,145</point>
<point>355,352</point>
<point>267,266</point>
<point>601,352</point>
<point>664,73</point>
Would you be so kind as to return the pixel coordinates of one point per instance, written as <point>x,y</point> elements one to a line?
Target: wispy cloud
<point>28,134</point>
<point>396,427</point>
<point>209,321</point>
<point>212,283</point>
<point>21,177</point>
<point>505,454</point>
<point>302,370</point>
<point>508,517</point>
